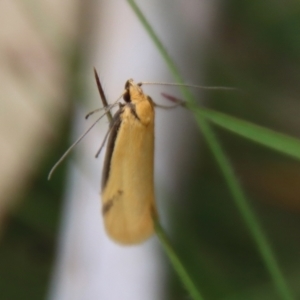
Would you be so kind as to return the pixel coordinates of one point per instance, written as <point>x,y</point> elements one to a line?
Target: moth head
<point>132,90</point>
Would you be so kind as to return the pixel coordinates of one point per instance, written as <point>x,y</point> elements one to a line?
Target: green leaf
<point>264,136</point>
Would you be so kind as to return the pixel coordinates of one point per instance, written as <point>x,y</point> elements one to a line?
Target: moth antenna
<point>224,88</point>
<point>107,108</point>
<point>165,106</point>
<point>93,111</point>
<point>102,96</point>
<point>72,146</point>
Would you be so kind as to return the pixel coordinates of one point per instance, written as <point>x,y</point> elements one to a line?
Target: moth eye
<point>126,97</point>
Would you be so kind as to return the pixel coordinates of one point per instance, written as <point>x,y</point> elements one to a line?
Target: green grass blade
<point>247,214</point>
<point>178,266</point>
<point>267,137</point>
<point>226,169</point>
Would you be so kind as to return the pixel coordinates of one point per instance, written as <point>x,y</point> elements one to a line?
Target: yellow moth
<point>128,201</point>
<point>127,189</point>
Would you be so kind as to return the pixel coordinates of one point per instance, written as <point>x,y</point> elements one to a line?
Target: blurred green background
<point>255,46</point>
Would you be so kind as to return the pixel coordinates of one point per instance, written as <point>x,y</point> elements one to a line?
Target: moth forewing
<point>128,186</point>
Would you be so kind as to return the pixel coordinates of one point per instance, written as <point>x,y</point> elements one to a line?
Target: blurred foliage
<point>28,245</point>
<point>256,50</point>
